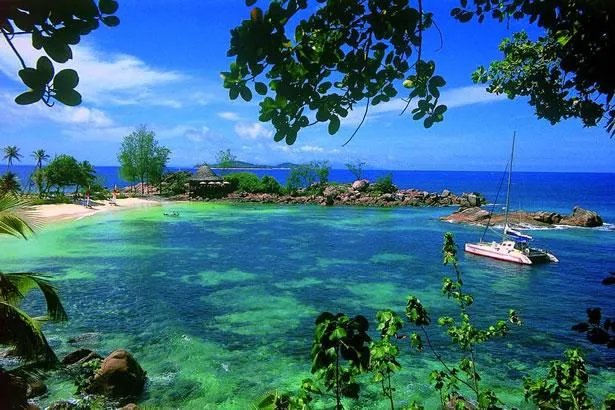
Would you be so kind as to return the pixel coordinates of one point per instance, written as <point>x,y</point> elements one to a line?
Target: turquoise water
<point>218,304</point>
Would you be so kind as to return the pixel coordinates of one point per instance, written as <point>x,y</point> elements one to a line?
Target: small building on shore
<point>204,183</point>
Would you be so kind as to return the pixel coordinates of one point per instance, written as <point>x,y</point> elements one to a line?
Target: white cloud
<point>252,131</point>
<point>82,115</point>
<point>104,78</point>
<point>311,148</point>
<point>231,116</point>
<point>191,133</point>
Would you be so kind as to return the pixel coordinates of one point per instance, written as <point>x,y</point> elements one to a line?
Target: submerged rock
<point>120,375</point>
<point>13,391</point>
<point>80,356</point>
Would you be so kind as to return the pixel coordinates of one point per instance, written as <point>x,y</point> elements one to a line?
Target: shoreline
<point>54,213</point>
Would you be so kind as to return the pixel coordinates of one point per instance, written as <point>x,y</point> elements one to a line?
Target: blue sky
<point>161,67</point>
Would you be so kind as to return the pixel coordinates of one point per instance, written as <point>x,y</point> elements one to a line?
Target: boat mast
<point>512,152</point>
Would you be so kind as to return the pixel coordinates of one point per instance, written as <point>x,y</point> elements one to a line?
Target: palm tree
<point>40,156</point>
<point>11,152</point>
<point>9,184</point>
<point>17,328</point>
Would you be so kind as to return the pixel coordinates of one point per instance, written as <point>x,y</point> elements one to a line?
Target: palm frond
<point>23,333</point>
<point>16,217</point>
<point>17,285</point>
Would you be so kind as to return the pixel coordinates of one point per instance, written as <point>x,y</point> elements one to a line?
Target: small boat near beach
<point>514,246</point>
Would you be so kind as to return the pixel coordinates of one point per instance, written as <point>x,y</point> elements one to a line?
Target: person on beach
<point>114,196</point>
<point>87,198</point>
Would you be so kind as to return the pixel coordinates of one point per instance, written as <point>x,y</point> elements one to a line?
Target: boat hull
<point>509,254</point>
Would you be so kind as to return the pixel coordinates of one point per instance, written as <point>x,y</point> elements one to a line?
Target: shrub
<point>174,183</point>
<point>306,175</point>
<point>270,185</point>
<point>384,185</point>
<point>244,182</point>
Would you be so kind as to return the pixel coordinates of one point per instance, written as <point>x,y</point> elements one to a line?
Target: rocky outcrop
<point>475,215</point>
<point>120,375</point>
<point>582,217</point>
<point>347,195</point>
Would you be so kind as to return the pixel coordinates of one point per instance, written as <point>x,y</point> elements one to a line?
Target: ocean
<point>218,305</point>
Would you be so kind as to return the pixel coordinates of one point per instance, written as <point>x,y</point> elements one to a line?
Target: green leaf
<point>250,2</point>
<point>32,78</point>
<point>245,93</point>
<point>37,39</point>
<point>260,88</point>
<point>108,6</point>
<point>233,93</point>
<point>334,125</point>
<point>45,68</point>
<point>66,80</point>
<point>29,97</point>
<point>110,21</point>
<point>57,50</point>
<point>338,333</point>
<point>68,97</point>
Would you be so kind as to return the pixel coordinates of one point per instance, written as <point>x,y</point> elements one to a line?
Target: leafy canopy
<point>53,27</point>
<point>341,54</point>
<point>315,61</point>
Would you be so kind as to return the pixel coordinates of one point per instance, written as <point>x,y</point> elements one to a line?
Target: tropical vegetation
<point>18,329</point>
<point>142,159</point>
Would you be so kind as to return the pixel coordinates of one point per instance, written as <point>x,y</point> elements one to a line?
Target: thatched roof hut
<point>204,183</point>
<point>204,174</point>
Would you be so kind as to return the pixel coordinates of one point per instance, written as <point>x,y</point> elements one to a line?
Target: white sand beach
<point>66,212</point>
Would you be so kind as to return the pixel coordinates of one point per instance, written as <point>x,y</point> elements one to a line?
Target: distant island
<point>247,165</point>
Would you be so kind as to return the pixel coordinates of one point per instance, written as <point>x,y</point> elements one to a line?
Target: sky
<point>161,67</point>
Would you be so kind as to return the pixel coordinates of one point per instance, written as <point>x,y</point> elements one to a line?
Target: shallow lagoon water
<point>218,304</point>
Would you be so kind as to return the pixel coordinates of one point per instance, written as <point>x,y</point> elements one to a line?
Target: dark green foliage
<point>249,182</point>
<point>566,72</point>
<point>339,339</point>
<point>383,185</point>
<point>597,329</point>
<point>342,54</point>
<point>244,182</point>
<point>563,387</point>
<point>64,170</point>
<point>174,183</point>
<point>9,184</point>
<point>54,28</point>
<point>270,185</point>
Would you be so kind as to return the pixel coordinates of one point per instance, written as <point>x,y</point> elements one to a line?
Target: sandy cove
<point>66,212</point>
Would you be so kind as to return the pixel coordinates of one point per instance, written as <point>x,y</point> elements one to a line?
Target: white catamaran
<point>514,246</point>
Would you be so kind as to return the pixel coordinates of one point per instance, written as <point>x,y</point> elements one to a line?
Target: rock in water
<point>119,376</point>
<point>13,391</point>
<point>582,217</point>
<point>80,356</point>
<point>469,215</point>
